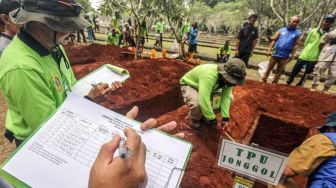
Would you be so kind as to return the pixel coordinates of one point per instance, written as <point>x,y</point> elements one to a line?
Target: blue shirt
<point>285,42</point>
<point>193,36</point>
<point>325,175</point>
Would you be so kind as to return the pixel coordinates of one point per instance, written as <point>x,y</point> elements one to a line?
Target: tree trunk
<point>137,43</point>
<point>280,17</point>
<point>174,32</point>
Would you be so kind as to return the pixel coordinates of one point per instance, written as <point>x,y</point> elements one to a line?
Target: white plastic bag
<point>175,46</point>
<point>263,68</point>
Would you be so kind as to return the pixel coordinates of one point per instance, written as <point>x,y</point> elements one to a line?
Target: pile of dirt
<point>94,53</point>
<point>273,116</point>
<point>152,81</point>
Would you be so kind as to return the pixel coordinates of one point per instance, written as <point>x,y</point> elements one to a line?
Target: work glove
<point>212,123</point>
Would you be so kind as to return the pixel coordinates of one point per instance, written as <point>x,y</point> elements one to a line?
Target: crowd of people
<point>316,57</point>
<point>35,82</point>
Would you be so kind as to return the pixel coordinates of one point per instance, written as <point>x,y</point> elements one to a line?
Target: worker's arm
<point>271,46</point>
<point>255,41</point>
<point>309,156</point>
<point>229,51</point>
<point>204,90</point>
<point>193,33</point>
<point>240,35</point>
<point>226,103</point>
<point>324,40</point>
<point>289,173</point>
<point>219,50</point>
<point>292,54</point>
<point>27,90</point>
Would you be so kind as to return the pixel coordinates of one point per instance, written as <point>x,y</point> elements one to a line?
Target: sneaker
<point>195,124</point>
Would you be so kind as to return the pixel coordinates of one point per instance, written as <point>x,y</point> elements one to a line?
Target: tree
<point>175,11</point>
<point>140,9</point>
<point>306,9</point>
<point>86,5</point>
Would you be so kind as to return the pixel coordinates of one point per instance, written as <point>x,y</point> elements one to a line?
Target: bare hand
<point>269,53</point>
<point>116,85</point>
<point>152,123</point>
<point>224,125</point>
<point>291,57</point>
<point>130,172</point>
<point>99,90</point>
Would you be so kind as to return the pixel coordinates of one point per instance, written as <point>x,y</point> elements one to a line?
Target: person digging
<point>208,87</point>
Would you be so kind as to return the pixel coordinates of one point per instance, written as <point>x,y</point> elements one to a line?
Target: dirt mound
<point>273,116</point>
<point>95,52</point>
<point>151,82</point>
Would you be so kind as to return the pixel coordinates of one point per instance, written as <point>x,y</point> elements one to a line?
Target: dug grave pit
<point>154,86</point>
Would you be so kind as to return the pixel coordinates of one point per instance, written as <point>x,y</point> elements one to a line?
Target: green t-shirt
<point>160,27</point>
<point>204,78</point>
<point>113,39</point>
<point>311,49</point>
<point>32,84</point>
<point>221,50</point>
<point>185,28</point>
<point>115,24</point>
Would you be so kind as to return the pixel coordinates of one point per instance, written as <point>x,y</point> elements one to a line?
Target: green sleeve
<point>226,102</point>
<point>219,50</point>
<point>109,38</point>
<point>115,40</point>
<point>73,79</point>
<point>204,90</point>
<point>30,95</point>
<point>229,51</point>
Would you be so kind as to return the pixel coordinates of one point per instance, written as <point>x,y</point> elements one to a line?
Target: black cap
<point>330,122</point>
<point>6,6</point>
<point>330,17</point>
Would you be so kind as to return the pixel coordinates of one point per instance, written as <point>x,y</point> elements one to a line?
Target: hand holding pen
<point>123,172</point>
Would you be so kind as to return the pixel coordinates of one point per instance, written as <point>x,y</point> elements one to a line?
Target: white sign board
<point>253,162</point>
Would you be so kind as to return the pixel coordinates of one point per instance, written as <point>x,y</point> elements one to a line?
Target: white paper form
<point>101,75</point>
<point>62,152</point>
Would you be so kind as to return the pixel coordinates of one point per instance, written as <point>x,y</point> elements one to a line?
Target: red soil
<point>151,82</point>
<point>287,112</point>
<point>290,113</point>
<point>93,53</point>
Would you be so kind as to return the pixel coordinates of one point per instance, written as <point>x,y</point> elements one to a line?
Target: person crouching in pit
<point>208,87</point>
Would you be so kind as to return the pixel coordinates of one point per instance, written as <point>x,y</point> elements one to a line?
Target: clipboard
<point>105,74</point>
<point>25,161</point>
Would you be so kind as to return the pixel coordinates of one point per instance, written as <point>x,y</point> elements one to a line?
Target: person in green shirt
<point>35,81</point>
<point>160,28</point>
<point>185,30</point>
<point>200,84</point>
<point>224,52</point>
<point>310,51</point>
<point>117,27</point>
<point>112,37</point>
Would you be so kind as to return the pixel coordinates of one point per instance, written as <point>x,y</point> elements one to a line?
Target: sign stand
<point>251,163</point>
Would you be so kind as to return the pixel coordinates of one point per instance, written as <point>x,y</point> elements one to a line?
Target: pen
<point>122,148</point>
